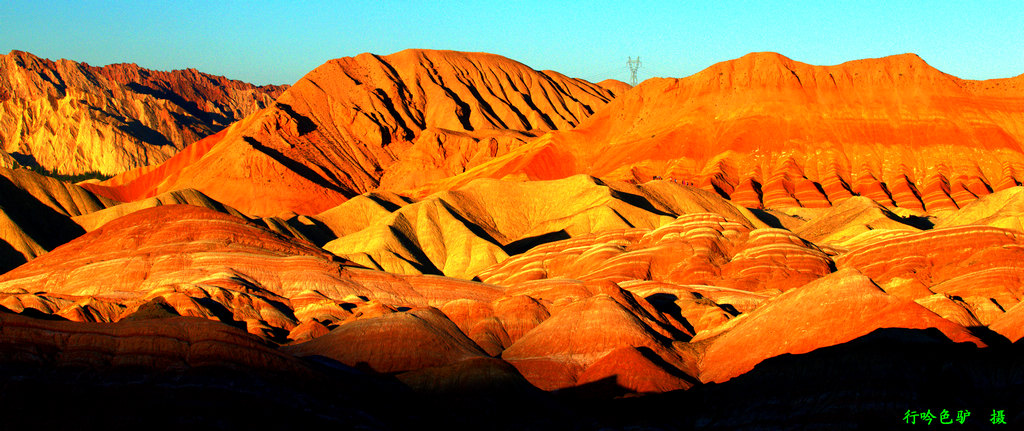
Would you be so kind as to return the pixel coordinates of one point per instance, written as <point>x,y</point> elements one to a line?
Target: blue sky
<point>278,42</point>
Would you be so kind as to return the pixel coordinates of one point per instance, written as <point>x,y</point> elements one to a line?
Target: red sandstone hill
<point>206,263</point>
<point>36,212</point>
<point>648,308</point>
<point>358,123</point>
<point>461,232</point>
<point>39,213</point>
<point>768,131</point>
<point>576,284</point>
<point>73,118</point>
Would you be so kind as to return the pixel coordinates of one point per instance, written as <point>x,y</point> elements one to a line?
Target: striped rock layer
<point>567,282</point>
<point>767,131</point>
<point>358,123</point>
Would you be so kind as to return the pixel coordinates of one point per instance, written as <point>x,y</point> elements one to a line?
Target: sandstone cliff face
<point>74,118</point>
<point>358,123</point>
<point>767,131</point>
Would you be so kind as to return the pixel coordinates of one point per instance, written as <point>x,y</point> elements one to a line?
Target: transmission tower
<point>634,65</point>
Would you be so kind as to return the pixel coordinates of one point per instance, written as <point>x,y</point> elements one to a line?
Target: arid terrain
<point>440,238</point>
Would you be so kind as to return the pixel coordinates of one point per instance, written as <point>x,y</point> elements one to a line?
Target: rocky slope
<point>603,311</point>
<point>39,213</point>
<point>73,118</point>
<point>767,131</point>
<point>36,212</point>
<point>461,232</point>
<point>550,285</point>
<point>358,123</point>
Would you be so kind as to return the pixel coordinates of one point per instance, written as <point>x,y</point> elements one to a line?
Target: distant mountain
<point>358,123</point>
<point>73,118</point>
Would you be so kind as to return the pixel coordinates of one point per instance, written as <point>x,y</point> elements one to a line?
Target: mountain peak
<point>358,123</point>
<point>774,70</point>
<point>766,56</point>
<point>896,62</point>
<point>754,127</point>
<point>23,58</point>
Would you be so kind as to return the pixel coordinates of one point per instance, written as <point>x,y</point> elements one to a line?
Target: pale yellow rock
<point>73,118</point>
<point>1004,209</point>
<point>849,219</point>
<point>459,233</point>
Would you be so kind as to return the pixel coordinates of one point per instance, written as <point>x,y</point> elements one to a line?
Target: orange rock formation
<point>800,209</point>
<point>357,123</point>
<point>35,214</point>
<point>769,131</point>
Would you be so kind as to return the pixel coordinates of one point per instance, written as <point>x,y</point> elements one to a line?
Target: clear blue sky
<point>278,42</point>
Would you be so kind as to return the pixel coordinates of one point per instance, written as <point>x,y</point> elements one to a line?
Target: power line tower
<point>634,65</point>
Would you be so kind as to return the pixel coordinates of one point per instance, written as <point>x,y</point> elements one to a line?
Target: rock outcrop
<point>73,118</point>
<point>694,249</point>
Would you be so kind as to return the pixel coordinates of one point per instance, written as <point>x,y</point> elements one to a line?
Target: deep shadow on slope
<point>300,169</point>
<point>867,383</point>
<point>9,257</point>
<point>767,217</point>
<point>920,222</point>
<point>43,224</point>
<point>871,381</point>
<point>40,388</point>
<point>213,118</point>
<point>341,397</point>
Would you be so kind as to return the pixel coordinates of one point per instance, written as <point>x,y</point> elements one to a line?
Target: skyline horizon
<point>264,42</point>
<point>622,79</point>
